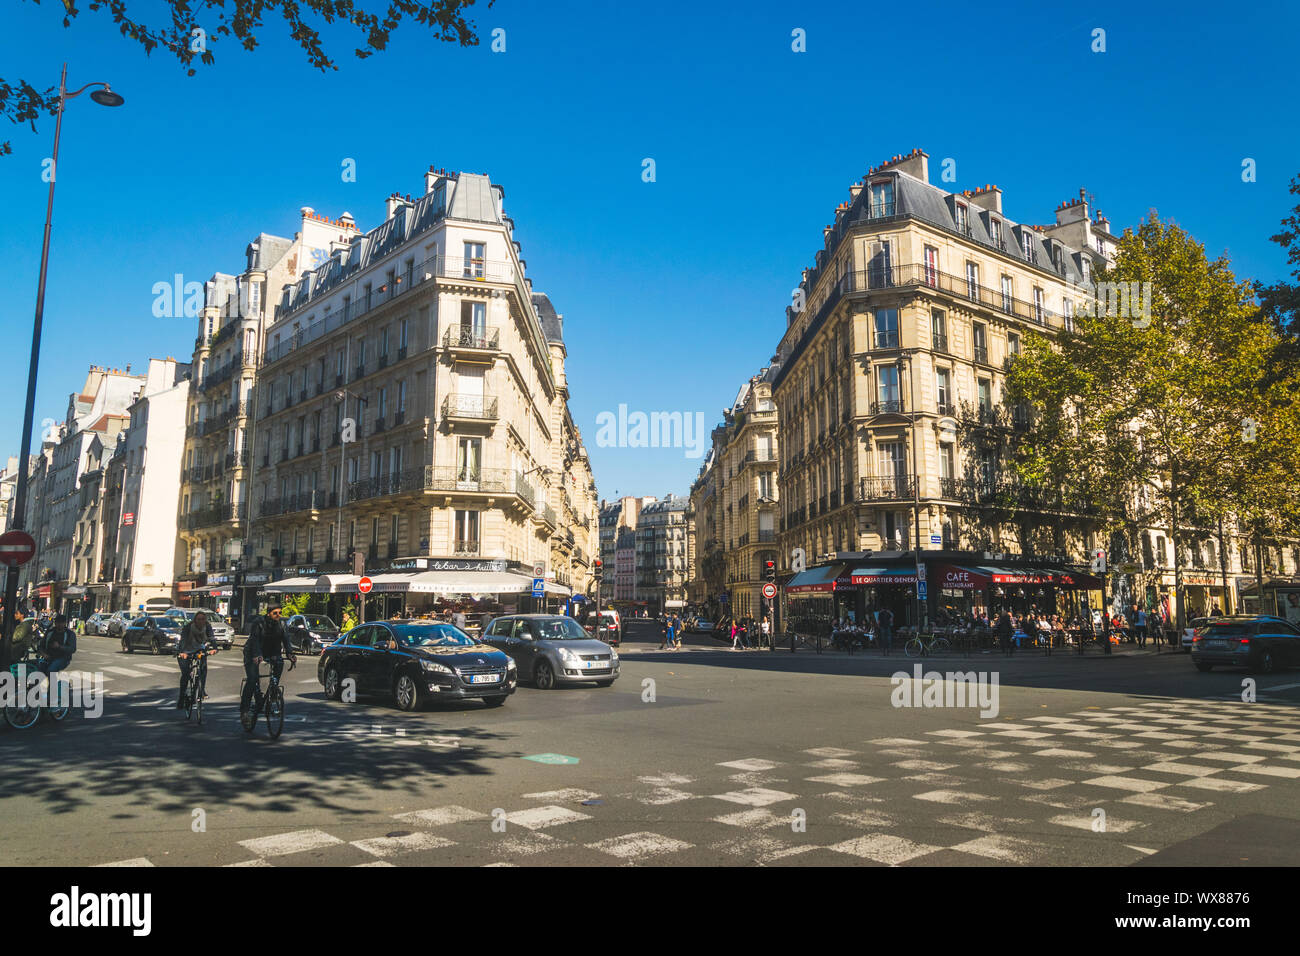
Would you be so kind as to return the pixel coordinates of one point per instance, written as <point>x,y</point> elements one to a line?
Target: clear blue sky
<point>673,292</point>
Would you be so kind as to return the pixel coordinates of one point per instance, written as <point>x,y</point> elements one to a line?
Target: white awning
<point>335,583</point>
<point>394,582</point>
<point>552,588</point>
<point>290,586</point>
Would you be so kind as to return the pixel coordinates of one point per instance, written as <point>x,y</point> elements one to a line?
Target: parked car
<point>97,623</point>
<point>609,628</point>
<point>119,622</point>
<point>311,633</point>
<point>415,662</point>
<point>1261,642</point>
<point>156,632</point>
<point>701,626</point>
<point>551,649</point>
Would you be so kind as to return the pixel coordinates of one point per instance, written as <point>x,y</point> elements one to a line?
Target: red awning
<point>1077,580</point>
<point>961,579</point>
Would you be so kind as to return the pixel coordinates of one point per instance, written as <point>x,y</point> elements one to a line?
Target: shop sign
<point>468,564</point>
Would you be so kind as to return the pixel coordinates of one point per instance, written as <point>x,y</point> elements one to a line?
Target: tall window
<point>467,531</point>
<point>473,323</point>
<point>985,392</point>
<point>939,330</point>
<point>401,396</point>
<point>469,458</point>
<point>381,405</point>
<point>401,334</point>
<point>995,230</point>
<point>395,460</point>
<point>1008,293</point>
<point>880,270</point>
<point>882,199</point>
<point>972,280</point>
<point>1013,344</point>
<point>947,463</point>
<point>980,342</point>
<point>931,267</point>
<point>942,390</point>
<point>1038,305</point>
<point>475,259</point>
<point>893,459</point>
<point>1067,313</point>
<point>963,218</point>
<point>887,387</point>
<point>886,328</point>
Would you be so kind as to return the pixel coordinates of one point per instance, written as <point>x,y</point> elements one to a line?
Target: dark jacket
<point>267,638</point>
<point>67,638</point>
<point>1005,626</point>
<point>192,639</point>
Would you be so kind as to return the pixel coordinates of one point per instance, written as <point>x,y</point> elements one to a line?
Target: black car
<point>1260,642</point>
<point>156,632</point>
<point>311,633</point>
<point>415,662</point>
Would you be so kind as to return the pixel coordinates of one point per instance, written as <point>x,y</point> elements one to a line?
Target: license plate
<point>1217,645</point>
<point>483,678</point>
<point>594,664</point>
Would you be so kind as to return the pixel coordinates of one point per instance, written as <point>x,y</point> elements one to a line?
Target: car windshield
<point>432,635</point>
<point>559,629</point>
<point>162,620</point>
<point>319,622</point>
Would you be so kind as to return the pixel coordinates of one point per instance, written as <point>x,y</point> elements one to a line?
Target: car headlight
<point>510,664</point>
<point>613,656</point>
<point>433,667</point>
<point>568,656</point>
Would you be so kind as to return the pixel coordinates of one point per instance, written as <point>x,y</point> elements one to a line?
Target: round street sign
<point>769,591</point>
<point>364,585</point>
<point>16,548</point>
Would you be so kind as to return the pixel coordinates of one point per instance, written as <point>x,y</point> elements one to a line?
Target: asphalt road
<point>704,756</point>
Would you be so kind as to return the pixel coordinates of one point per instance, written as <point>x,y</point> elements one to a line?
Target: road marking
<point>411,842</point>
<point>1126,783</point>
<point>134,861</point>
<point>285,843</point>
<point>845,779</point>
<point>1084,821</point>
<point>440,816</point>
<point>1218,783</point>
<point>539,818</point>
<point>1162,801</point>
<point>125,671</point>
<point>756,796</point>
<point>753,764</point>
<point>883,848</point>
<point>639,845</point>
<point>1007,849</point>
<point>568,795</point>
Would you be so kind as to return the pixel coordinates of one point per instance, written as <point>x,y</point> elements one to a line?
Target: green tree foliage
<point>242,21</point>
<point>1145,417</point>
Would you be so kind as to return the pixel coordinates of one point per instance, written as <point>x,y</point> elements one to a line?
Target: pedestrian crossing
<point>1094,787</point>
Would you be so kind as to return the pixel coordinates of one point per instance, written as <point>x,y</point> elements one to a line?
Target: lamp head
<point>106,97</point>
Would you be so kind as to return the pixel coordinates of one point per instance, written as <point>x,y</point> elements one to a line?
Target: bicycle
<point>271,703</point>
<point>919,646</point>
<point>19,715</point>
<point>197,678</point>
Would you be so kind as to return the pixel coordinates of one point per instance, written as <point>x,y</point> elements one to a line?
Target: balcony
<point>490,482</point>
<point>381,486</point>
<point>766,537</point>
<point>467,547</point>
<point>950,488</point>
<point>981,354</point>
<point>470,408</point>
<point>891,407</point>
<point>546,514</point>
<point>312,500</point>
<point>467,338</point>
<point>209,517</point>
<point>894,488</point>
<point>946,408</point>
<point>939,342</point>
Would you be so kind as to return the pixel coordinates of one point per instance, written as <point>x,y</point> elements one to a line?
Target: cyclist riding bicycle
<point>60,645</point>
<point>267,640</point>
<point>26,636</point>
<point>195,636</point>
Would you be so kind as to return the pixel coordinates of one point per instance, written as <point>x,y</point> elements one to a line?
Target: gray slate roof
<point>552,323</point>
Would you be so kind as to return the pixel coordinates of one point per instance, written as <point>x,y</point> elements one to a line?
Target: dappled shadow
<point>153,758</point>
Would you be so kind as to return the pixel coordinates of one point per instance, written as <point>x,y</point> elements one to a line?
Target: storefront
<point>1203,593</point>
<point>1281,596</point>
<point>818,597</point>
<point>888,587</point>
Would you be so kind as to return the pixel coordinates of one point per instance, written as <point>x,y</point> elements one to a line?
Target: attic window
<point>995,231</point>
<point>1027,243</point>
<point>963,218</point>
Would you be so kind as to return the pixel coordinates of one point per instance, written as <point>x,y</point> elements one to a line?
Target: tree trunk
<point>1223,569</point>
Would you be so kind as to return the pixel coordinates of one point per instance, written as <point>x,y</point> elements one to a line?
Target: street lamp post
<point>916,479</point>
<point>104,97</point>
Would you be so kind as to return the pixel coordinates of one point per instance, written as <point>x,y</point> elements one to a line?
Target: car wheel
<point>1204,666</point>
<point>1265,663</point>
<point>544,676</point>
<point>126,646</point>
<point>157,647</point>
<point>494,701</point>
<point>406,692</point>
<point>333,683</point>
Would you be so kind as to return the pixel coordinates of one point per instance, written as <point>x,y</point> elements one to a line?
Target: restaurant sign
<point>497,565</point>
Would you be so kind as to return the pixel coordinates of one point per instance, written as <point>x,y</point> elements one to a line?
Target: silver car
<point>223,635</point>
<point>118,623</point>
<point>551,649</point>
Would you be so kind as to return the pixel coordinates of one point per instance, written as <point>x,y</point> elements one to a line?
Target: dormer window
<point>1027,244</point>
<point>882,199</point>
<point>995,231</point>
<point>963,218</point>
<point>1087,268</point>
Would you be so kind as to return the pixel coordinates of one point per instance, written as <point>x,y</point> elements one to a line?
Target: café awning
<point>875,577</point>
<point>978,577</point>
<point>289,586</point>
<point>815,582</point>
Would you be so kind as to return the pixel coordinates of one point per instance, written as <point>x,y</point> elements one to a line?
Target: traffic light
<point>598,569</point>
<point>769,571</point>
<point>358,563</point>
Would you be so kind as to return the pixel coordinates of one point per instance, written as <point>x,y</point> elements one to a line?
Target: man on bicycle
<point>195,636</point>
<point>60,645</point>
<point>267,640</point>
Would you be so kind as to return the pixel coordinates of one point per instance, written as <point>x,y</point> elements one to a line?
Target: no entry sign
<point>364,585</point>
<point>769,590</point>
<point>16,548</point>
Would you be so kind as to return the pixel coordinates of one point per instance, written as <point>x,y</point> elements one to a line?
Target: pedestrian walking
<point>1140,625</point>
<point>885,630</point>
<point>767,632</point>
<point>735,635</point>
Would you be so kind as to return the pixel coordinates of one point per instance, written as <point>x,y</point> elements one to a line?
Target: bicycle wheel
<point>914,647</point>
<point>274,711</point>
<point>941,645</point>
<point>189,697</point>
<point>20,718</point>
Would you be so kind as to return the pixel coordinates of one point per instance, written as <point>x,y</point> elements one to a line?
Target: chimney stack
<point>431,180</point>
